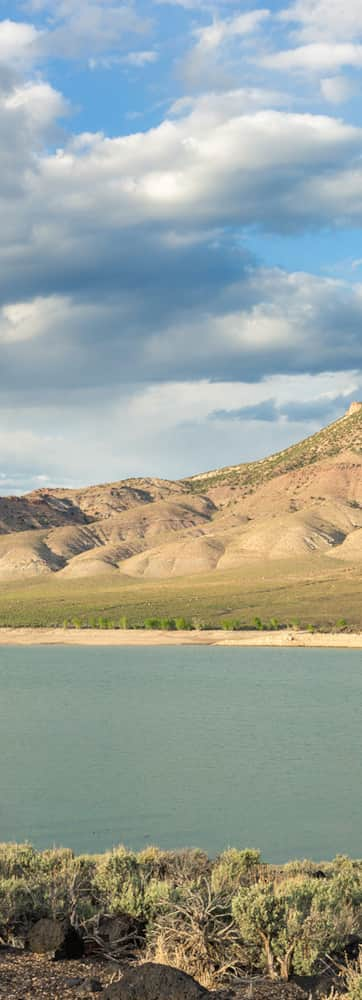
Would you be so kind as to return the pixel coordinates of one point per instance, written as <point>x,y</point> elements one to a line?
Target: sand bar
<point>139,637</point>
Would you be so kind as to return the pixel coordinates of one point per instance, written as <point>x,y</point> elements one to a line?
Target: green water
<point>182,747</point>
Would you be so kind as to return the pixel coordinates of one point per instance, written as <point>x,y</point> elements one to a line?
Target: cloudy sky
<point>180,232</point>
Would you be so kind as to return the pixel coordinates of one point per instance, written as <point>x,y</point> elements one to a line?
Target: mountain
<point>299,503</point>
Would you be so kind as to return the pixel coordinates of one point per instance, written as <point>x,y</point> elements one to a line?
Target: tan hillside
<point>302,503</point>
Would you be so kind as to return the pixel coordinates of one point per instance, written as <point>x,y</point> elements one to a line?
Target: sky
<point>180,233</point>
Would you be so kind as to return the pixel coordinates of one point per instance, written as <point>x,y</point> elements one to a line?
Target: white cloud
<point>230,102</point>
<point>89,28</point>
<point>319,20</point>
<point>137,60</point>
<point>316,57</point>
<point>21,321</point>
<point>213,35</point>
<point>73,29</point>
<point>142,58</point>
<point>337,89</point>
<point>18,43</point>
<point>38,102</point>
<point>205,165</point>
<point>210,61</point>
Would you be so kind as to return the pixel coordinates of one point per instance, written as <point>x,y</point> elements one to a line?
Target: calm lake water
<point>182,747</point>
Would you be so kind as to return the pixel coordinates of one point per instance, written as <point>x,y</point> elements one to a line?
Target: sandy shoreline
<point>129,637</point>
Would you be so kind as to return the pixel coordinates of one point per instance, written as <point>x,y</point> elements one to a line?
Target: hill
<point>296,512</point>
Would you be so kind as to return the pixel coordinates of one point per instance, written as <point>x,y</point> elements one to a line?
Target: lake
<point>189,746</point>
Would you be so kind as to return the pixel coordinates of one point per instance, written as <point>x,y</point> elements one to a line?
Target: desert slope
<point>303,501</point>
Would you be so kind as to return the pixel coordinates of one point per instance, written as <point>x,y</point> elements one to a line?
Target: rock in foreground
<point>155,982</point>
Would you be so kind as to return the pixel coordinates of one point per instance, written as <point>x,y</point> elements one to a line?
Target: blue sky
<point>180,248</point>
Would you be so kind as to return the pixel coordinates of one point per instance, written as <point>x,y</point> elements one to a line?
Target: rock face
<point>45,936</point>
<point>155,982</point>
<point>355,407</point>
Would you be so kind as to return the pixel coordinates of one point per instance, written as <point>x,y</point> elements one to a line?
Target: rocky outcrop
<point>355,407</point>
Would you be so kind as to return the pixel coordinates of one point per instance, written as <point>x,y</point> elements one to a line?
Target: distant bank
<point>143,637</point>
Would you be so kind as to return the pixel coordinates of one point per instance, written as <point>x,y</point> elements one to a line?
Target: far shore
<point>149,637</point>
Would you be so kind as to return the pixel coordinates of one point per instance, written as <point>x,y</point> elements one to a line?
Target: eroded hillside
<point>304,500</point>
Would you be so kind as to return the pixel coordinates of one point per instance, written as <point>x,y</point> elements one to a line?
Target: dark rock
<point>155,982</point>
<point>46,935</point>
<point>71,947</point>
<point>320,985</point>
<point>352,948</point>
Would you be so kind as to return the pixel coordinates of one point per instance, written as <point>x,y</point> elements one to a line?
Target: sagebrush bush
<point>118,883</point>
<point>234,867</point>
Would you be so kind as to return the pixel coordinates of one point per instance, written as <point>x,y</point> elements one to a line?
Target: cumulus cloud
<point>266,322</point>
<point>130,237</point>
<point>124,269</point>
<point>281,171</point>
<point>18,43</point>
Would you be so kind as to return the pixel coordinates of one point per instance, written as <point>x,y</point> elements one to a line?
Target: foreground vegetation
<point>319,592</point>
<point>215,919</point>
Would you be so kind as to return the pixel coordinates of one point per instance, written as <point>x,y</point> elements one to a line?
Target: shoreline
<point>138,637</point>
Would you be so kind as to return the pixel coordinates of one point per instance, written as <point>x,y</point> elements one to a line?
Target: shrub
<point>234,868</point>
<point>183,625</point>
<point>341,625</point>
<point>293,923</point>
<point>197,934</point>
<point>118,882</point>
<point>274,624</point>
<point>168,624</point>
<point>353,979</point>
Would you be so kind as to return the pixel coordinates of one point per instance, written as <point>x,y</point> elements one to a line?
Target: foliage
<point>293,923</point>
<point>118,883</point>
<point>211,918</point>
<point>196,931</point>
<point>233,868</point>
<point>353,979</point>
